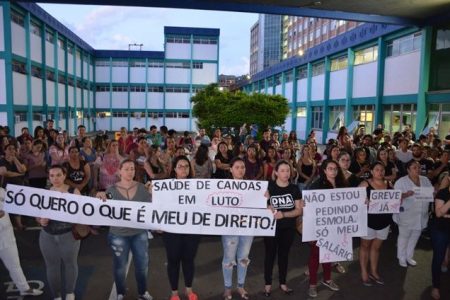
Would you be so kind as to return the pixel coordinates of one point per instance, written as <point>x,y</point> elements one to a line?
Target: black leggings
<point>281,243</point>
<point>181,249</point>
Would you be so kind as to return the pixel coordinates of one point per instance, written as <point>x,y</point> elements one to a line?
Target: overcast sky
<point>114,27</point>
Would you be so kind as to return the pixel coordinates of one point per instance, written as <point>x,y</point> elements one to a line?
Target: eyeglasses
<point>183,167</point>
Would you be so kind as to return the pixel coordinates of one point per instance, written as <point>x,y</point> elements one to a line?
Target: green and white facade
<point>48,72</point>
<point>373,74</point>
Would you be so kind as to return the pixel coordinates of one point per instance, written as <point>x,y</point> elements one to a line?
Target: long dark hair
<point>201,156</point>
<point>340,180</point>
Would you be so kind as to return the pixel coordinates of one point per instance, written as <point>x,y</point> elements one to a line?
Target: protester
<point>377,228</point>
<point>181,249</point>
<point>236,248</point>
<point>58,244</point>
<point>285,212</point>
<point>413,216</point>
<point>330,177</point>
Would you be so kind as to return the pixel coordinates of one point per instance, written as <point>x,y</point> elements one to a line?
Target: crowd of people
<point>123,167</point>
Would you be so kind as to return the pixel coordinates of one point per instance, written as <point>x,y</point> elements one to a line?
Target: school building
<point>48,72</point>
<point>373,74</point>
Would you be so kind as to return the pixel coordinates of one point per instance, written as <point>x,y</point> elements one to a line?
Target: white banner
<point>211,192</point>
<point>385,201</point>
<point>333,217</point>
<point>424,193</point>
<point>177,218</point>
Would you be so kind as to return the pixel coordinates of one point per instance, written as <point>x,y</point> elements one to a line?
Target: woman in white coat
<point>9,254</point>
<point>413,216</point>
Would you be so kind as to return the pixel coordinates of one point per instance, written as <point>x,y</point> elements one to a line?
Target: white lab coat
<point>415,213</point>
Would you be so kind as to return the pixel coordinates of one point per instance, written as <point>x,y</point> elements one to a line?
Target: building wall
<point>86,81</point>
<point>406,67</point>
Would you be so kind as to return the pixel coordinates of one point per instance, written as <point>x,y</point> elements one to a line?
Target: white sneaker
<point>411,262</point>
<point>70,296</point>
<point>31,292</point>
<point>146,296</point>
<point>402,263</point>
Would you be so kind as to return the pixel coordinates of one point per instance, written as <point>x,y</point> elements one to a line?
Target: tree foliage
<point>215,108</point>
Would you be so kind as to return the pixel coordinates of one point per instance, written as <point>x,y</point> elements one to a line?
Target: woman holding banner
<point>236,248</point>
<point>58,244</point>
<point>10,255</point>
<point>330,177</point>
<point>413,216</point>
<point>122,240</point>
<point>285,202</point>
<point>181,249</point>
<point>377,228</point>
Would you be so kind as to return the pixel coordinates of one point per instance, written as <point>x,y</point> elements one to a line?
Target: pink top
<point>108,171</point>
<point>58,155</point>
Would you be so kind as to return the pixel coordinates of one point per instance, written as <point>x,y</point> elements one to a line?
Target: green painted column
<point>265,85</point>
<point>164,82</point>
<point>82,80</point>
<point>66,85</point>
<point>44,71</point>
<point>349,93</point>
<point>74,78</point>
<point>308,100</point>
<point>146,94</point>
<point>94,93</point>
<point>8,65</point>
<point>217,58</point>
<point>191,63</point>
<point>294,99</point>
<point>89,104</point>
<point>283,84</point>
<point>129,94</point>
<point>56,73</point>
<point>110,93</point>
<point>380,82</point>
<point>326,100</point>
<point>28,68</point>
<point>424,79</point>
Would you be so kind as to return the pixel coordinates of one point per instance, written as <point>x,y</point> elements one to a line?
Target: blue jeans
<point>440,240</point>
<point>235,248</point>
<point>121,246</point>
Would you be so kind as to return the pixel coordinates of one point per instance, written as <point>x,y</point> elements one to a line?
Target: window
<point>311,36</point>
<point>137,89</point>
<point>325,28</point>
<point>205,40</point>
<point>17,18</point>
<point>197,90</point>
<point>302,73</point>
<point>197,65</point>
<point>442,39</point>
<point>119,63</point>
<point>20,117</point>
<point>171,89</point>
<point>49,36</point>
<point>155,89</point>
<point>70,48</point>
<point>288,76</point>
<point>406,44</point>
<point>61,44</point>
<point>301,112</point>
<point>19,67</point>
<point>178,65</point>
<point>120,114</point>
<point>333,25</point>
<point>36,71</point>
<point>365,115</point>
<point>61,79</point>
<point>37,116</point>
<point>336,119</point>
<point>318,69</point>
<point>339,63</point>
<point>366,55</point>
<point>178,39</point>
<point>317,32</point>
<point>398,115</point>
<point>102,63</point>
<point>50,75</point>
<point>120,88</point>
<point>278,79</point>
<point>35,28</point>
<point>137,64</point>
<point>102,88</point>
<point>155,64</point>
<point>317,117</point>
<point>70,81</point>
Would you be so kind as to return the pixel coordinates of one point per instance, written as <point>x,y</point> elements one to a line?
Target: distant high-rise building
<point>302,33</point>
<point>265,44</point>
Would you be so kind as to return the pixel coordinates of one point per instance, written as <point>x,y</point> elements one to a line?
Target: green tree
<point>215,108</point>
